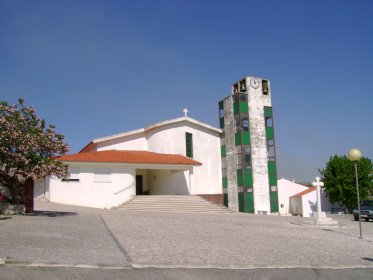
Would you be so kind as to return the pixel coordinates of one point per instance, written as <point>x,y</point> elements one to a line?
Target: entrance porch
<point>163,181</point>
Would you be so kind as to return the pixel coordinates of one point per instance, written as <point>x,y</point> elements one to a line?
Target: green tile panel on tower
<point>240,107</point>
<point>223,151</point>
<point>242,138</point>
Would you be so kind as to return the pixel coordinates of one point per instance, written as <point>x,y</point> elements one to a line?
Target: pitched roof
<point>159,124</point>
<point>90,146</point>
<point>311,189</point>
<point>140,157</point>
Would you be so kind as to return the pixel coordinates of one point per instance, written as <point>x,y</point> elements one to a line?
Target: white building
<point>179,156</point>
<point>287,189</point>
<point>305,203</point>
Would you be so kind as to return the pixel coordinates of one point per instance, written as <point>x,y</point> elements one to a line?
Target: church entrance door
<point>139,185</point>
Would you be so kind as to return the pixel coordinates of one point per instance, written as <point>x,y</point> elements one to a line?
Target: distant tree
<point>28,148</point>
<point>340,183</point>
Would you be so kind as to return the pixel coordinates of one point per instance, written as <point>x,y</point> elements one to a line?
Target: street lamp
<point>355,155</point>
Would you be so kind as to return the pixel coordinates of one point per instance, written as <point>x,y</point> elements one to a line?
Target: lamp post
<point>355,155</point>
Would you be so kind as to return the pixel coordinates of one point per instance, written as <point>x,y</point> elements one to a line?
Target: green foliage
<point>28,148</point>
<point>340,182</point>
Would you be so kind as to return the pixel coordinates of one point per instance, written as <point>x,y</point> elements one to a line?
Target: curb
<point>238,267</point>
<point>13,263</point>
<point>9,262</point>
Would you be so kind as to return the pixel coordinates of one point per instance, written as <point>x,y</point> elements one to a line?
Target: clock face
<point>254,83</point>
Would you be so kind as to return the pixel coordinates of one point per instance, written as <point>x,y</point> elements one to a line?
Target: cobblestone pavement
<point>66,235</point>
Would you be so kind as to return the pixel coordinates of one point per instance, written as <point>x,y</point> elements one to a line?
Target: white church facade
<point>175,157</point>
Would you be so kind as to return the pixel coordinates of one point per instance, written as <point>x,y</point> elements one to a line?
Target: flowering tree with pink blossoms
<point>28,148</point>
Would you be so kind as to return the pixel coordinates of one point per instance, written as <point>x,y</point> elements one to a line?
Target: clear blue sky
<point>95,68</point>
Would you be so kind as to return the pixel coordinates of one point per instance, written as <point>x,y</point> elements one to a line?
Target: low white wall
<point>296,205</point>
<point>87,192</point>
<point>309,204</point>
<point>41,189</point>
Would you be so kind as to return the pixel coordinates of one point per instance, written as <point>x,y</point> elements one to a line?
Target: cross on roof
<point>318,183</point>
<point>185,112</point>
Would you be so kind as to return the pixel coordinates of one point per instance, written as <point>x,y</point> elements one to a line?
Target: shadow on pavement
<point>368,259</point>
<point>54,214</point>
<point>5,218</point>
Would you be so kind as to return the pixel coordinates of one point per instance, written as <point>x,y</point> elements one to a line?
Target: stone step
<point>173,206</point>
<point>176,197</point>
<point>169,202</point>
<point>175,211</point>
<point>173,203</point>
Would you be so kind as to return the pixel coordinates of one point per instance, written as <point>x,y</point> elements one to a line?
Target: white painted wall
<point>168,182</point>
<point>170,138</point>
<point>309,204</point>
<point>295,205</point>
<point>134,142</point>
<point>286,189</point>
<point>89,193</point>
<point>41,189</point>
<point>166,138</point>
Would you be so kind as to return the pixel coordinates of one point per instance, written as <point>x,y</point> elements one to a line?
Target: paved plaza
<point>67,236</point>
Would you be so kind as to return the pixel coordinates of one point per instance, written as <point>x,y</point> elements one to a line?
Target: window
<point>242,122</point>
<point>244,157</point>
<point>224,172</point>
<point>271,149</point>
<point>240,97</point>
<point>102,175</point>
<point>269,122</point>
<point>237,123</point>
<point>245,124</point>
<point>74,175</point>
<point>221,114</point>
<point>265,87</point>
<point>242,85</point>
<point>221,109</point>
<point>189,144</point>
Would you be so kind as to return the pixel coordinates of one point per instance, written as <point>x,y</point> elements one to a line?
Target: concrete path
<point>59,235</point>
<point>72,236</point>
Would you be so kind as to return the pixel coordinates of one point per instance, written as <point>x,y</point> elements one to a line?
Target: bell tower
<point>248,148</point>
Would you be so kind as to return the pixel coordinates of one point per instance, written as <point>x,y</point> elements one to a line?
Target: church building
<point>182,156</point>
<point>174,157</point>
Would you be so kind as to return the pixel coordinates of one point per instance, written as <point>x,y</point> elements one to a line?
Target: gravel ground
<point>74,235</point>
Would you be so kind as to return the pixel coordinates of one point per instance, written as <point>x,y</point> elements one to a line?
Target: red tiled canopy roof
<point>116,156</point>
<point>311,189</point>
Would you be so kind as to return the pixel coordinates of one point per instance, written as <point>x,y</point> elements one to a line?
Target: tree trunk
<point>29,199</point>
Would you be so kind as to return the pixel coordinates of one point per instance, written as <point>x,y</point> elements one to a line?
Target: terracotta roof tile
<point>311,189</point>
<point>88,148</point>
<point>116,156</point>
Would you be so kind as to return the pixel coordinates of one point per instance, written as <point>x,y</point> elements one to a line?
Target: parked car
<point>366,211</point>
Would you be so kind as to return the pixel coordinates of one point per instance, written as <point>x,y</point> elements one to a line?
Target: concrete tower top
<point>251,84</point>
